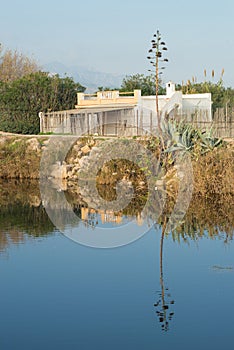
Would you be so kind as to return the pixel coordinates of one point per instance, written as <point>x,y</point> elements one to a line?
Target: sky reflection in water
<point>58,294</point>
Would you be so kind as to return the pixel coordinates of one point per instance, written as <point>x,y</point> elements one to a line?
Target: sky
<point>114,36</point>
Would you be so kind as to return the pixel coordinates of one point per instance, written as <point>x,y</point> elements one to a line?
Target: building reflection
<point>92,217</point>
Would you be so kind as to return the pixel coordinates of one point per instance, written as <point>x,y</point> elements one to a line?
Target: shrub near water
<point>213,168</point>
<point>214,173</point>
<point>18,159</point>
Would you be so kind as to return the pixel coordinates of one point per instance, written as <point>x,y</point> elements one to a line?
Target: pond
<point>161,290</point>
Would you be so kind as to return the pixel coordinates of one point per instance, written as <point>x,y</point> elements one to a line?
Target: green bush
<point>21,100</point>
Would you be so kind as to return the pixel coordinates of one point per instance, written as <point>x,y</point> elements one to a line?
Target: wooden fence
<point>129,122</point>
<point>222,123</point>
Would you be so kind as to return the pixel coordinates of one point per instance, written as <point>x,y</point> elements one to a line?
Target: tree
<point>156,57</point>
<point>221,97</point>
<point>139,81</point>
<point>15,65</point>
<point>106,88</point>
<point>218,92</point>
<point>228,98</point>
<point>21,100</point>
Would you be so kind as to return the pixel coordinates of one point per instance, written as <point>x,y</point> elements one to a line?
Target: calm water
<point>57,294</point>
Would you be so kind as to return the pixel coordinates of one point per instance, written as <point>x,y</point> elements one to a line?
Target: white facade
<point>174,102</point>
<point>111,113</point>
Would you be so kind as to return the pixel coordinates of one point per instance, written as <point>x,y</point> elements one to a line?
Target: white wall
<point>190,103</point>
<point>148,102</point>
<point>198,102</point>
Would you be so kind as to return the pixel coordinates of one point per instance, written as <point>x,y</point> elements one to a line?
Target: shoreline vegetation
<point>212,160</point>
<point>210,212</point>
<point>212,166</point>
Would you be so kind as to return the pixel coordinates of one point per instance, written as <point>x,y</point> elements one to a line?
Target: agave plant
<point>170,134</point>
<point>209,142</point>
<point>182,137</point>
<point>185,137</point>
<point>188,138</point>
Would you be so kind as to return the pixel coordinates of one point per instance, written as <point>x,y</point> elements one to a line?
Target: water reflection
<point>165,301</point>
<point>22,213</point>
<point>23,217</point>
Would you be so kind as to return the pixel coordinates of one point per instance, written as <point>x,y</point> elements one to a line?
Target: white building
<point>116,113</point>
<point>189,106</point>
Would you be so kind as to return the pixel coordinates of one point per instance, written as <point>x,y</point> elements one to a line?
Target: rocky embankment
<point>69,158</point>
<point>20,156</point>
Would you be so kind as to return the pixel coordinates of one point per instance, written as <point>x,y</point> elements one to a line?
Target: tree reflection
<point>21,210</point>
<point>164,303</point>
<point>21,213</point>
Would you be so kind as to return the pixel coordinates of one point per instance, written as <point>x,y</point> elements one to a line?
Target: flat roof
<point>92,110</point>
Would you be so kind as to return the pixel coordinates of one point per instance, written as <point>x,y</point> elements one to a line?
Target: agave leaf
<point>173,149</point>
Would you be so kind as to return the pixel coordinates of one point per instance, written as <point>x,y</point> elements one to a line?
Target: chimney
<point>170,89</point>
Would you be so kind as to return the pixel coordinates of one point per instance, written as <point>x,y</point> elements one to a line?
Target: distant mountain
<point>86,77</point>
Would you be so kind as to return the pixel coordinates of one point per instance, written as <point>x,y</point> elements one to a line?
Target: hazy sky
<point>114,35</point>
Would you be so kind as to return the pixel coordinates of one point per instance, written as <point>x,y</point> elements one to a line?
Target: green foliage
<point>106,88</point>
<point>14,148</point>
<point>220,95</point>
<point>21,100</point>
<point>208,142</point>
<point>140,82</point>
<point>184,137</point>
